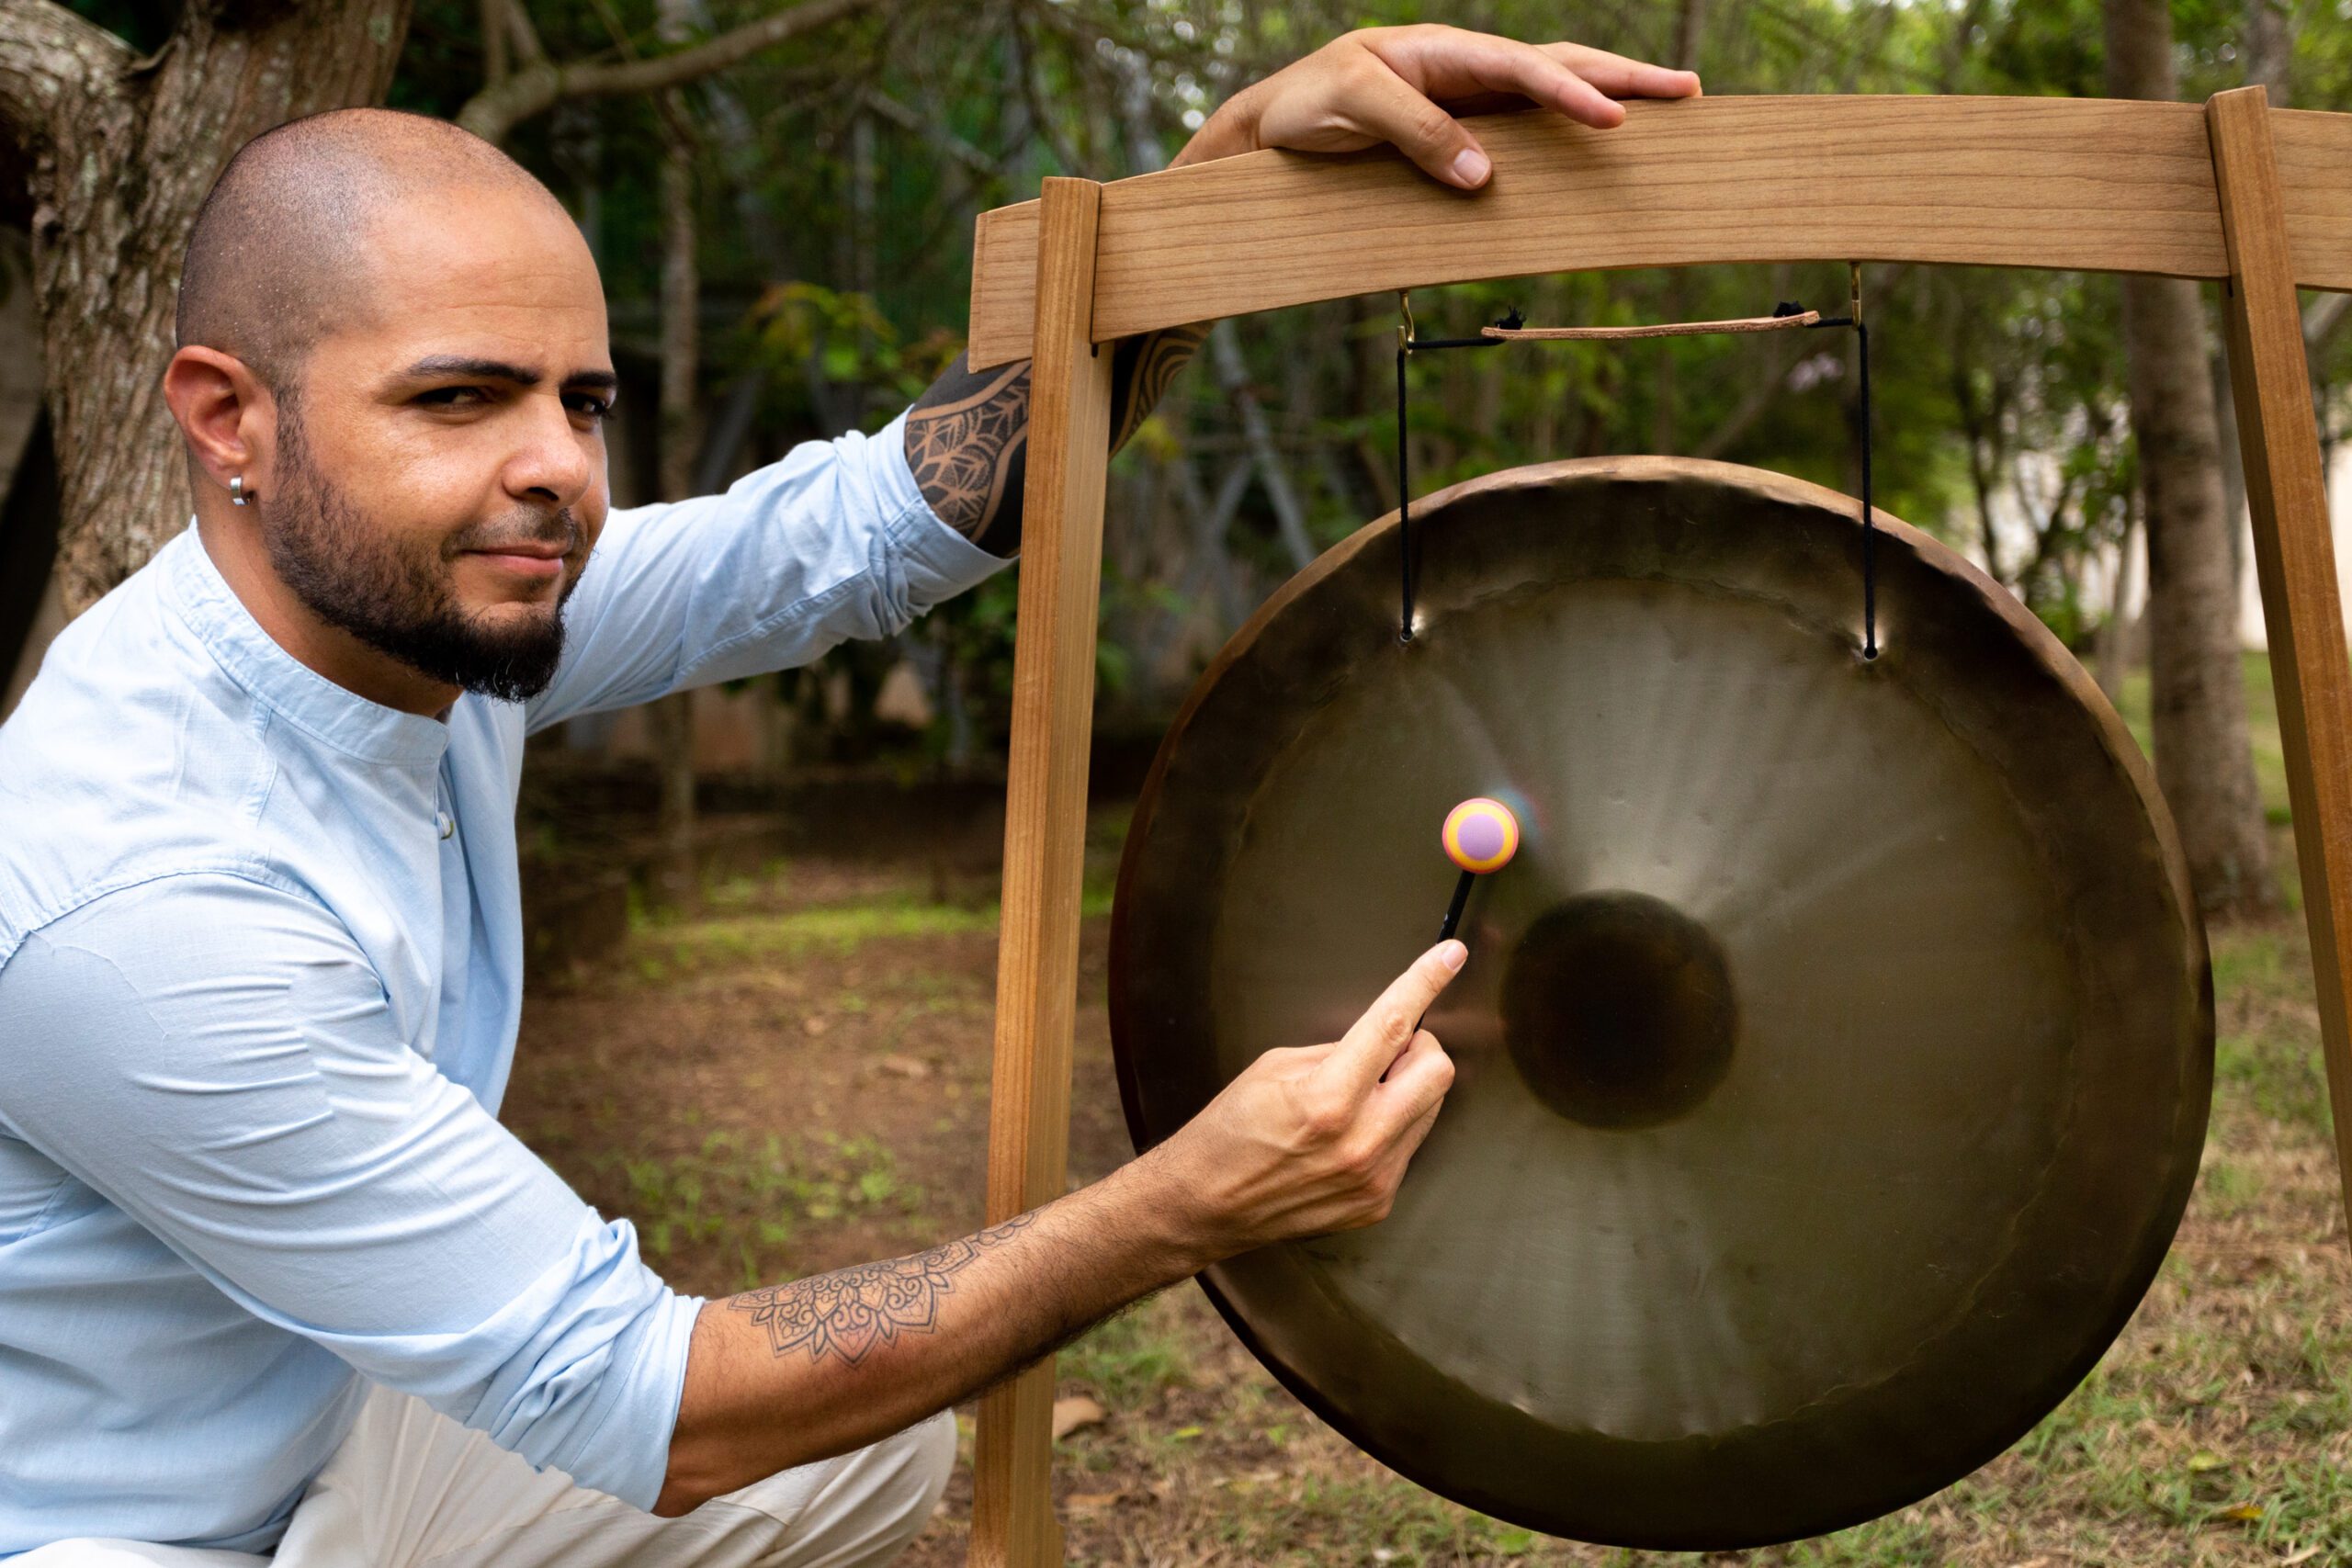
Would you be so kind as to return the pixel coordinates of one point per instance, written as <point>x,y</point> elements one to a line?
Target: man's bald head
<point>278,258</point>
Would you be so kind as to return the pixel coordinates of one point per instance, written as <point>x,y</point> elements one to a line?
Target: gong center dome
<point>1618,1011</point>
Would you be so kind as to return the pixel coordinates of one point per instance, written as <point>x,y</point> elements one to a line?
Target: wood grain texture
<point>1053,717</point>
<point>2295,557</point>
<point>2095,184</point>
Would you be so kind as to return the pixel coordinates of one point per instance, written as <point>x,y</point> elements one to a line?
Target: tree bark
<point>119,152</point>
<point>2204,763</point>
<point>673,717</point>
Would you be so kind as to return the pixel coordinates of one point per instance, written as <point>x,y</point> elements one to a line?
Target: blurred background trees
<point>781,198</point>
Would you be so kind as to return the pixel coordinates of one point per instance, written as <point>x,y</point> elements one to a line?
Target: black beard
<point>397,601</point>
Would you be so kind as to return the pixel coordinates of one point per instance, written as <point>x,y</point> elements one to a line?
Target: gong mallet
<point>1480,836</point>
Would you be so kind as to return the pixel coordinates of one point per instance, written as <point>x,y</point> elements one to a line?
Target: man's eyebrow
<point>439,365</point>
<point>434,364</point>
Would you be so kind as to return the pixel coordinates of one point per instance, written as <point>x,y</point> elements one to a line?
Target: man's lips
<point>525,558</point>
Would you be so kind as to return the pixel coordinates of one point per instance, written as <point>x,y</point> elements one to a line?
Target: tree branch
<point>930,131</point>
<point>48,56</point>
<point>522,34</point>
<point>539,86</point>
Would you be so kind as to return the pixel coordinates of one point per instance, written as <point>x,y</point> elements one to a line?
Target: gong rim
<point>1505,1470</point>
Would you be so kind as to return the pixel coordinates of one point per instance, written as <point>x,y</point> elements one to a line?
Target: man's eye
<point>590,405</point>
<point>451,397</point>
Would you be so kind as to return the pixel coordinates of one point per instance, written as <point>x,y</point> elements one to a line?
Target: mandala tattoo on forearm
<point>967,436</point>
<point>850,1311</point>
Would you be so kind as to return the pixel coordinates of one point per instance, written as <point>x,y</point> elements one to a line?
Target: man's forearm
<point>794,1373</point>
<point>967,436</point>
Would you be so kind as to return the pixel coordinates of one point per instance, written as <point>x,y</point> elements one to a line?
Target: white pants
<point>410,1488</point>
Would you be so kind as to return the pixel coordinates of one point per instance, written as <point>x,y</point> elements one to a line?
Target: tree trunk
<point>673,717</point>
<point>2119,635</point>
<point>1690,23</point>
<point>2269,47</point>
<point>119,151</point>
<point>2203,760</point>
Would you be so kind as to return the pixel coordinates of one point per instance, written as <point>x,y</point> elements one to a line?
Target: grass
<point>663,946</point>
<point>749,1202</point>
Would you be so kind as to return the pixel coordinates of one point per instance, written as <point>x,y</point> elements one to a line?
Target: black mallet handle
<point>1454,910</point>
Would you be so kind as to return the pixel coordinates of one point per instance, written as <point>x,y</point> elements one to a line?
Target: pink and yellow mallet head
<point>1480,836</point>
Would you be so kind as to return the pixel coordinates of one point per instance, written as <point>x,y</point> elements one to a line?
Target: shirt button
<point>447,823</point>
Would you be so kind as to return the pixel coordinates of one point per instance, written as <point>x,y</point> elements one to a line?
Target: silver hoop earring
<point>237,496</point>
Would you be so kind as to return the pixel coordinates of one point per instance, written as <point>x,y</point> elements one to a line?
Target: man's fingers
<point>1385,1030</point>
<point>1623,78</point>
<point>1408,1142</point>
<point>1417,1081</point>
<point>1452,65</point>
<point>1386,107</point>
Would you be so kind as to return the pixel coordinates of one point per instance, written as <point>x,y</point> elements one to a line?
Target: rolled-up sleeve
<point>217,1058</point>
<point>832,541</point>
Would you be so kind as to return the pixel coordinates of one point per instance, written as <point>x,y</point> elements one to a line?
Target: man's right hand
<point>1306,1140</point>
<point>1313,1139</point>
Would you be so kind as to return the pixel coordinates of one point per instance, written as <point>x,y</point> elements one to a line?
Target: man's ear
<point>226,413</point>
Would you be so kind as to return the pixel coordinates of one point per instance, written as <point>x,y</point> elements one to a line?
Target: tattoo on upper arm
<point>1140,371</point>
<point>967,436</point>
<point>850,1311</point>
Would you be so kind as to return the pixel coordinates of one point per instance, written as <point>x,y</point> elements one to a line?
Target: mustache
<point>555,528</point>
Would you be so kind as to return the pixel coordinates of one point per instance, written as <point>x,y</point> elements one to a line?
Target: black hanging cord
<point>1862,435</point>
<point>1510,328</point>
<point>1403,487</point>
<point>1406,344</point>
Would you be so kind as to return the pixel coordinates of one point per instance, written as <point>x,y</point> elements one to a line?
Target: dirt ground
<point>796,1077</point>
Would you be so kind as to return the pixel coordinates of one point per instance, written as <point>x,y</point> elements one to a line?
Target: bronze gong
<point>1832,1060</point>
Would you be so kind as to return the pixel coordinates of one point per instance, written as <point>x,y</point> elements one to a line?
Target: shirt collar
<point>335,715</point>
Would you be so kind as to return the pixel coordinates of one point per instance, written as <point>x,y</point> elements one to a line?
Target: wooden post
<point>1044,839</point>
<point>2287,492</point>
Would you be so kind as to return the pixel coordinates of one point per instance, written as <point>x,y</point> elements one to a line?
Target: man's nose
<point>553,460</point>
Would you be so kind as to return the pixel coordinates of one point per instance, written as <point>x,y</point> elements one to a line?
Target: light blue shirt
<point>261,961</point>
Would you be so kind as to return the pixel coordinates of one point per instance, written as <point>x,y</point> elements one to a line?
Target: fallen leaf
<point>1071,1413</point>
<point>1090,1501</point>
<point>1185,1434</point>
<point>2204,1460</point>
<point>814,1024</point>
<point>2243,1513</point>
<point>904,1068</point>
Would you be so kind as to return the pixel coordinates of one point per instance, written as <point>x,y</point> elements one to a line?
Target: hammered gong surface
<point>1833,1059</point>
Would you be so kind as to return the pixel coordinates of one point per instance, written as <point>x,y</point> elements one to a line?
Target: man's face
<point>439,474</point>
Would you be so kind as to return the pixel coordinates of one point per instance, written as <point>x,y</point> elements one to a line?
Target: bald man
<point>273,1281</point>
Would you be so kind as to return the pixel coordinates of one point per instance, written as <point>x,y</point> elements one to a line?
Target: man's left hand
<point>1406,85</point>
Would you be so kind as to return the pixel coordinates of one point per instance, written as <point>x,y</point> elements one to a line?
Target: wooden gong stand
<point>2257,197</point>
